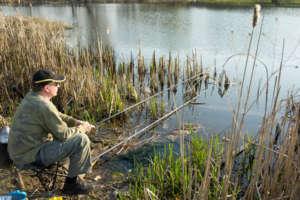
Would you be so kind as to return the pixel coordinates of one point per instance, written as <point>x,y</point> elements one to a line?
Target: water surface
<point>215,33</point>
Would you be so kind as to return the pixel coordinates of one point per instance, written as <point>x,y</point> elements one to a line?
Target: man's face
<point>51,89</point>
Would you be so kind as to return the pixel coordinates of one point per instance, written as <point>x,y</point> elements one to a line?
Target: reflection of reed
<point>161,72</point>
<point>170,68</point>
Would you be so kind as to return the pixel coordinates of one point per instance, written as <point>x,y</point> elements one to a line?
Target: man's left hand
<point>91,127</point>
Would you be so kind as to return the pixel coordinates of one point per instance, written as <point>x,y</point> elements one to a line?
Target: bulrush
<point>256,14</point>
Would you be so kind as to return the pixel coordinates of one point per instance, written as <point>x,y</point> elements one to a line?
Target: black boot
<point>73,187</point>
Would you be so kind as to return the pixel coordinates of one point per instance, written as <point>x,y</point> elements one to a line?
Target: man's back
<point>27,131</point>
<point>35,118</point>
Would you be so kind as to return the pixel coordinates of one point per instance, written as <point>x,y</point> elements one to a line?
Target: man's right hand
<point>86,126</point>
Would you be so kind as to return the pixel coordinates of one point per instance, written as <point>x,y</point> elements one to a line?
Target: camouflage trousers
<point>76,148</point>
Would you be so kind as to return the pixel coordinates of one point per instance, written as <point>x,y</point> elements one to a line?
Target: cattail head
<point>256,14</point>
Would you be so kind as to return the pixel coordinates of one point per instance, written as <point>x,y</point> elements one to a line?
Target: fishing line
<point>153,124</point>
<point>149,127</point>
<point>148,98</point>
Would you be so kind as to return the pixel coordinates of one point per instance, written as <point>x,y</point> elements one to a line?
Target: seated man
<point>36,118</point>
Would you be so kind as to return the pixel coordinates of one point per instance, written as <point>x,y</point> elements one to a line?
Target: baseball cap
<point>47,76</point>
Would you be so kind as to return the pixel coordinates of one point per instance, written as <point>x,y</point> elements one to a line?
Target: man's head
<point>47,82</point>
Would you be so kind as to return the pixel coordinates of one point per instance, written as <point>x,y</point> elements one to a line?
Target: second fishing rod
<point>193,78</point>
<point>135,133</point>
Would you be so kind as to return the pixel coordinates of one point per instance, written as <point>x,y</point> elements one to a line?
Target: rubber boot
<point>73,187</point>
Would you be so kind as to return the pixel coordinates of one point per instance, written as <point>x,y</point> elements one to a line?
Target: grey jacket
<point>34,120</point>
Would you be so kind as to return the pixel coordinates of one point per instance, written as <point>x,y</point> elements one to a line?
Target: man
<point>36,118</point>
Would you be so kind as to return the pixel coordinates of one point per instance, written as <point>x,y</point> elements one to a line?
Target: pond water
<point>215,33</point>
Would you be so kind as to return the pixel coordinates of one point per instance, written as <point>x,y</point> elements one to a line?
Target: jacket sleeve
<point>56,125</point>
<point>71,121</point>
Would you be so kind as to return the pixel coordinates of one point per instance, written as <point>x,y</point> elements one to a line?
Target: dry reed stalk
<point>170,71</point>
<point>243,81</point>
<point>204,189</point>
<point>237,123</point>
<point>28,44</point>
<point>176,70</point>
<point>141,67</point>
<point>276,168</point>
<point>241,123</point>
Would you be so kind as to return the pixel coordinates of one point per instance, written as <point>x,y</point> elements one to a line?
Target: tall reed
<point>28,44</point>
<point>265,167</point>
<point>96,85</point>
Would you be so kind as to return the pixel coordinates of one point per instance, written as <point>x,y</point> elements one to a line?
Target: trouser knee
<point>82,139</point>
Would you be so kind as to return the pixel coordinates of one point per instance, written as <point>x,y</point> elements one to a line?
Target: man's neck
<point>44,96</point>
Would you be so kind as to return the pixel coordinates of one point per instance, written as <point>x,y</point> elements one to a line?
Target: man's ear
<point>45,88</point>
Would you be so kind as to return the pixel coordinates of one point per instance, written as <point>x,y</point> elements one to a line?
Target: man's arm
<point>71,121</point>
<point>55,124</point>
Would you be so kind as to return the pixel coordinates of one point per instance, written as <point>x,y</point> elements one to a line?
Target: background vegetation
<point>212,2</point>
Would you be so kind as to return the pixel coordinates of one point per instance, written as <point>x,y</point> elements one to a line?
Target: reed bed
<point>263,167</point>
<point>235,166</point>
<point>28,44</point>
<point>96,85</point>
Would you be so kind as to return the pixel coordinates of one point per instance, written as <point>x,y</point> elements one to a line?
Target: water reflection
<point>216,32</point>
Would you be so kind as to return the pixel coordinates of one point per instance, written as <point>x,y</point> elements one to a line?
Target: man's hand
<point>87,126</point>
<point>78,122</point>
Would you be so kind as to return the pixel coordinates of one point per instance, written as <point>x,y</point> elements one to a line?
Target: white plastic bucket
<point>4,132</point>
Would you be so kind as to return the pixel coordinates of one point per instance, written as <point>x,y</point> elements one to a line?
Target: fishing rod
<point>147,99</point>
<point>149,127</point>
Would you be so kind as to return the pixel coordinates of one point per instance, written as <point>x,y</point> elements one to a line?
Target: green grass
<point>169,176</point>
